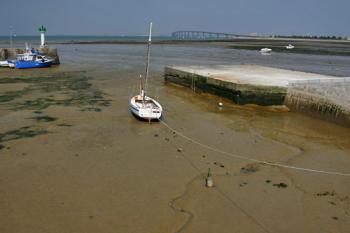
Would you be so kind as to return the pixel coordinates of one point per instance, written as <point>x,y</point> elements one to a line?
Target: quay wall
<point>238,93</point>
<point>327,99</point>
<point>10,53</point>
<point>322,98</point>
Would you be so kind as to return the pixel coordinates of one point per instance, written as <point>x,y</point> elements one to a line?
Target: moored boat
<point>265,50</point>
<point>145,107</point>
<point>141,105</point>
<point>290,46</point>
<point>4,63</point>
<point>31,60</point>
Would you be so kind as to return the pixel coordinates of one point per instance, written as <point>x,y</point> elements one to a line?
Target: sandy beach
<point>74,159</point>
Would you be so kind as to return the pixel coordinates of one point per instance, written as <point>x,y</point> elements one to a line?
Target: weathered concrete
<point>243,84</point>
<point>329,99</point>
<point>317,95</point>
<point>10,53</point>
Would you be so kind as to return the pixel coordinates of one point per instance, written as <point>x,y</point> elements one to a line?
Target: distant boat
<point>290,46</point>
<point>4,63</point>
<point>141,105</point>
<point>265,51</point>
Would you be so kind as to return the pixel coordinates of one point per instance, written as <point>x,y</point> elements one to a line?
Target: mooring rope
<point>252,159</point>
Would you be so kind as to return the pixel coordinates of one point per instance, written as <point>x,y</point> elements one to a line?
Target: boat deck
<point>146,103</point>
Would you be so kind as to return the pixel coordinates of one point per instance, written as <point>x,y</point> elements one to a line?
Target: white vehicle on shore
<point>290,46</point>
<point>266,51</point>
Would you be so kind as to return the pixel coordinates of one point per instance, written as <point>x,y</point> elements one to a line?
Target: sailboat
<point>142,105</point>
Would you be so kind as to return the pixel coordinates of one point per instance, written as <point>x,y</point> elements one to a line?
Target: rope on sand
<point>251,159</point>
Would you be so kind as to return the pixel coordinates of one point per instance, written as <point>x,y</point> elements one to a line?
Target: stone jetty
<point>251,84</point>
<point>10,53</point>
<point>329,99</point>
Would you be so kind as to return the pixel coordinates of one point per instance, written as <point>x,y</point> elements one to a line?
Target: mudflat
<point>74,159</point>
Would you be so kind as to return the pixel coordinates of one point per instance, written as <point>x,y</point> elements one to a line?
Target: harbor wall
<point>238,93</point>
<point>326,99</point>
<point>10,53</point>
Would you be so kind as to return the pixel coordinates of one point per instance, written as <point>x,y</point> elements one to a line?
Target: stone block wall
<point>327,99</point>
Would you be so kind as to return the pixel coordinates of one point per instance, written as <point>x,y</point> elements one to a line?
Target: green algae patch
<point>44,118</point>
<point>65,89</point>
<point>64,125</point>
<point>281,185</point>
<point>12,95</point>
<point>24,132</point>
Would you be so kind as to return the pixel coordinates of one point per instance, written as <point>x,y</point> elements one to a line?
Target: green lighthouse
<point>42,31</point>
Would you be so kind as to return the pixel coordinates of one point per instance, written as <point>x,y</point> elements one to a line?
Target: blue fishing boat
<point>31,60</point>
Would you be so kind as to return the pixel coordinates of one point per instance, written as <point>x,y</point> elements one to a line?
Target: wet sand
<point>73,159</point>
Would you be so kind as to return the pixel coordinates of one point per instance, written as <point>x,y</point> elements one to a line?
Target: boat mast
<point>148,56</point>
<point>11,37</point>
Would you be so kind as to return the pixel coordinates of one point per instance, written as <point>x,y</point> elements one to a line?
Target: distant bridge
<point>200,35</point>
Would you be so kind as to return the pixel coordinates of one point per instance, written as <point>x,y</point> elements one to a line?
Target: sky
<point>131,17</point>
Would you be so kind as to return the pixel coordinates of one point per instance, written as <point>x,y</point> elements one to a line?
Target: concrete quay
<point>243,84</point>
<point>10,53</point>
<point>317,95</point>
<point>328,99</point>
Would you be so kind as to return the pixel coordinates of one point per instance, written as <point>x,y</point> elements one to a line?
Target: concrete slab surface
<point>252,74</point>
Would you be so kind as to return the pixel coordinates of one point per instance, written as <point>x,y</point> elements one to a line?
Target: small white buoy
<point>209,180</point>
<point>220,104</point>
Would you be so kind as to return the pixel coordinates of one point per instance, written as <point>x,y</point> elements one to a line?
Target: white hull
<point>147,109</point>
<point>266,50</point>
<point>4,63</point>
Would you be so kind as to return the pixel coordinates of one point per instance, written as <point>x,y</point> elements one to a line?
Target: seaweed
<point>281,185</point>
<point>250,168</point>
<point>64,125</point>
<point>24,132</point>
<point>325,194</point>
<point>11,95</point>
<point>44,118</point>
<point>75,88</point>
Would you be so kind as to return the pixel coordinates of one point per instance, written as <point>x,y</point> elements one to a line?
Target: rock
<point>281,185</point>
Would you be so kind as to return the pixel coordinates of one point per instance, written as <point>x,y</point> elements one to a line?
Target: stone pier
<point>328,99</point>
<point>318,95</point>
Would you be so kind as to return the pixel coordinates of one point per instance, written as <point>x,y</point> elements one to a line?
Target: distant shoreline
<point>175,41</point>
<point>302,46</point>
